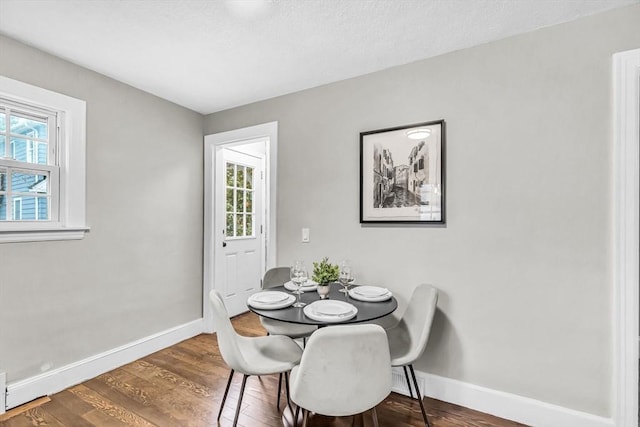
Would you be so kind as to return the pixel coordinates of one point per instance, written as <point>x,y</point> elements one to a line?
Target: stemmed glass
<point>345,276</point>
<point>298,275</point>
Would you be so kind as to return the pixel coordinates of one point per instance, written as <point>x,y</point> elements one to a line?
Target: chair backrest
<point>276,276</point>
<point>227,336</point>
<point>418,317</point>
<point>344,370</point>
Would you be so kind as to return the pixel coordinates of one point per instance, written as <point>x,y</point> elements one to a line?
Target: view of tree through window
<point>239,201</point>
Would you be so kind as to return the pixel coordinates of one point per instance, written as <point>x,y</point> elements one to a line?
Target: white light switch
<point>305,235</point>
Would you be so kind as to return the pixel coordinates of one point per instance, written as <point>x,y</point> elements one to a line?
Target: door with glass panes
<point>239,215</point>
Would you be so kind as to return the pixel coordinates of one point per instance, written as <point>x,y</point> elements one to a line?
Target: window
<point>28,147</point>
<point>239,201</point>
<point>42,171</point>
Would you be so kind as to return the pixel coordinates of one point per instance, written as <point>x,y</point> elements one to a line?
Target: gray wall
<point>524,262</point>
<point>139,270</point>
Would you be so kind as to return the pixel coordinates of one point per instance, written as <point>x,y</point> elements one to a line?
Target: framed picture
<point>402,174</point>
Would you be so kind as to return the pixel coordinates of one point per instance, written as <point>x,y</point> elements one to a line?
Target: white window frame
<point>71,197</point>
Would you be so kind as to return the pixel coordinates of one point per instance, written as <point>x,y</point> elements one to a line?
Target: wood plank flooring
<point>183,385</point>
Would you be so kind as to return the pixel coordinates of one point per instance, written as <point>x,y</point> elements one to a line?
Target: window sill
<point>44,234</point>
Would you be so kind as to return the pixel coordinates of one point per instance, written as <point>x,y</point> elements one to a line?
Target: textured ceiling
<point>213,55</point>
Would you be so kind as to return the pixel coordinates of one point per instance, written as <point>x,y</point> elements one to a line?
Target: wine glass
<point>344,276</point>
<point>295,272</point>
<point>298,278</point>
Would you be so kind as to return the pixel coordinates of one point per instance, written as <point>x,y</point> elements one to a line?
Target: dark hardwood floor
<point>183,385</point>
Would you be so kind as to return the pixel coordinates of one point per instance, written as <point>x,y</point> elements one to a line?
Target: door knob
<point>224,244</point>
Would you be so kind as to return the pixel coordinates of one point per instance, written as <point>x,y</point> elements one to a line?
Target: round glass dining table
<point>367,311</point>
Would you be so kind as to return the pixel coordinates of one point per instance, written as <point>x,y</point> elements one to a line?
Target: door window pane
<point>249,225</point>
<point>239,225</point>
<point>231,178</point>
<point>248,200</point>
<point>3,146</point>
<point>249,185</point>
<point>3,122</point>
<point>229,228</point>
<point>240,183</point>
<point>240,201</point>
<point>230,200</point>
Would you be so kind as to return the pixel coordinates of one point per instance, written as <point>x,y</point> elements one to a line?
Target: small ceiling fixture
<point>419,133</point>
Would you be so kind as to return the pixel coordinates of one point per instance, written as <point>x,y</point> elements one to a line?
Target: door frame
<point>626,305</point>
<point>269,131</point>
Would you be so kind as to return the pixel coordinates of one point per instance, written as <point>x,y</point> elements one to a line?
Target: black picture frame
<point>402,174</point>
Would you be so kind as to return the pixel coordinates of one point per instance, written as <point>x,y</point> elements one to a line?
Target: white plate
<point>309,285</point>
<point>330,311</point>
<point>290,299</point>
<point>332,307</point>
<point>370,291</point>
<point>269,297</point>
<point>362,296</point>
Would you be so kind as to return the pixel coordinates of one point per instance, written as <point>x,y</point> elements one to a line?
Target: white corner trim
<point>626,88</point>
<point>3,392</point>
<point>20,392</point>
<point>506,405</point>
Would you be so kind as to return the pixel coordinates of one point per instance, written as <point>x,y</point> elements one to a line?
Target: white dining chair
<point>278,276</point>
<point>273,277</point>
<point>345,370</point>
<point>408,338</point>
<point>250,355</point>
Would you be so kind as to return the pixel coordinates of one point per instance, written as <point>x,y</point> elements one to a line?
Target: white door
<point>227,269</point>
<point>239,216</point>
<point>239,223</point>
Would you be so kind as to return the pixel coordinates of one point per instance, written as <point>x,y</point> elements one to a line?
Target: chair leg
<point>279,390</point>
<point>226,391</point>
<point>406,376</point>
<point>244,382</point>
<point>415,384</point>
<point>295,415</point>
<point>374,415</point>
<point>305,417</point>
<point>286,385</point>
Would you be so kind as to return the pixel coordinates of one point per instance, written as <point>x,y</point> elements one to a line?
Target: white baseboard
<point>47,383</point>
<point>504,405</point>
<point>3,392</point>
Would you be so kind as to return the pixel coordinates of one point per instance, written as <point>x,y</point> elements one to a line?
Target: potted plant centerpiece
<point>324,273</point>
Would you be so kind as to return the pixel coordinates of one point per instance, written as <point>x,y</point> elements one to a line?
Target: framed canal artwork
<point>402,174</point>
